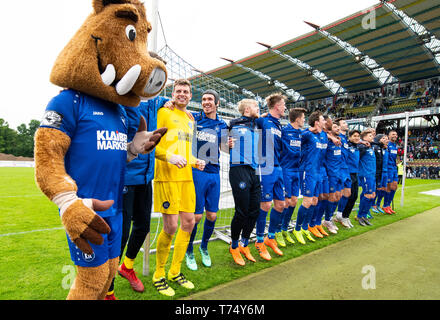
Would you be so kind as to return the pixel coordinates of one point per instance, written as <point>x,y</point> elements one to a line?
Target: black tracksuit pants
<point>353,197</point>
<point>246,190</point>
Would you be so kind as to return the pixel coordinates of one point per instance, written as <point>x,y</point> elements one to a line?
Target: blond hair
<point>366,131</point>
<point>246,103</point>
<point>274,98</point>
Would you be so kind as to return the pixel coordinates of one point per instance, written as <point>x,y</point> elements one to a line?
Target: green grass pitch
<point>35,261</point>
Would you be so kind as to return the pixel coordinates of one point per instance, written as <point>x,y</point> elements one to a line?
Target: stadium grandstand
<point>385,76</point>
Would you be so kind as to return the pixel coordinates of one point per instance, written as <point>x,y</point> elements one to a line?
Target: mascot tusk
<point>109,75</point>
<point>128,80</point>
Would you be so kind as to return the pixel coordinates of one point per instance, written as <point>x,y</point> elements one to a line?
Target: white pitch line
<point>24,196</point>
<point>31,231</point>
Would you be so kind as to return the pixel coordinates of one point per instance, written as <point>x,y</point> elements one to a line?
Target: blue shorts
<point>110,249</point>
<point>334,184</point>
<point>207,186</point>
<point>310,185</point>
<point>323,186</point>
<point>346,179</point>
<point>368,184</point>
<point>291,183</point>
<point>272,185</point>
<point>392,176</point>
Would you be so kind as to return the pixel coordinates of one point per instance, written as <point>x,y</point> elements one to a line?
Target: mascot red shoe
<point>81,146</point>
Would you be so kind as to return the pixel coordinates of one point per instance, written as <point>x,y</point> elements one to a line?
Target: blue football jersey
<point>324,144</point>
<point>210,134</point>
<point>311,147</point>
<point>291,149</point>
<point>344,149</point>
<point>353,158</point>
<point>97,154</point>
<point>333,159</point>
<point>367,161</point>
<point>270,128</point>
<point>392,156</point>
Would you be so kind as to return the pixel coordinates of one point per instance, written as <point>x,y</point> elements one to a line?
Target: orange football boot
<point>238,259</point>
<point>262,250</point>
<point>315,232</point>
<point>272,243</point>
<point>246,251</point>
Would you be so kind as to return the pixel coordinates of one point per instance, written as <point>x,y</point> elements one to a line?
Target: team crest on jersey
<point>166,204</point>
<point>52,119</point>
<point>267,196</point>
<point>88,257</point>
<point>242,185</point>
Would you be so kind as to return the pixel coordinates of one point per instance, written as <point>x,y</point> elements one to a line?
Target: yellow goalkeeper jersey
<point>177,140</point>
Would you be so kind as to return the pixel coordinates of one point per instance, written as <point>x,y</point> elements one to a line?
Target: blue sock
<point>361,206</point>
<point>190,248</point>
<point>379,197</point>
<point>287,216</point>
<point>261,225</point>
<point>342,203</point>
<point>365,207</point>
<point>312,214</point>
<point>371,204</point>
<point>302,214</point>
<point>319,212</point>
<point>244,242</point>
<point>386,200</point>
<point>330,210</point>
<point>208,229</point>
<point>234,244</point>
<point>274,222</point>
<point>392,193</point>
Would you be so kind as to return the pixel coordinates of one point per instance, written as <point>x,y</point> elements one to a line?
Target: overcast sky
<point>200,31</point>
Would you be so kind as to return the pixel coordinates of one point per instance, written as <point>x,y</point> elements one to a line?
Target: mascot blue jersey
<point>98,133</point>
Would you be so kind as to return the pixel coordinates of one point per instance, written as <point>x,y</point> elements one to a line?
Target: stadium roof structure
<point>345,56</point>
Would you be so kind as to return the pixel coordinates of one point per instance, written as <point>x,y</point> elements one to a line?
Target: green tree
<point>8,138</point>
<point>18,142</point>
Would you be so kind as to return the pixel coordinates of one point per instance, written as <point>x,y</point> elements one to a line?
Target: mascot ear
<point>99,5</point>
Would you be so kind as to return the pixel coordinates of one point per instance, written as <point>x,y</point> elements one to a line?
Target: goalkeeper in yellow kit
<point>174,193</point>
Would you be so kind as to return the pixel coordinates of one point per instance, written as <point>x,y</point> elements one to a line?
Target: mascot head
<point>108,58</point>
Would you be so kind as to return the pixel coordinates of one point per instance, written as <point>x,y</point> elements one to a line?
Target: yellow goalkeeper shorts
<point>172,197</point>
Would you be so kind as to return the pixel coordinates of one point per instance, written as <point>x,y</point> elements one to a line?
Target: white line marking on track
<point>31,231</point>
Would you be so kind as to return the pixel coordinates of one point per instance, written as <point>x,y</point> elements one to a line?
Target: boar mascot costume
<point>81,146</point>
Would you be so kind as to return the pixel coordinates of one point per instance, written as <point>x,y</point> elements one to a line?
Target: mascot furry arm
<point>106,64</point>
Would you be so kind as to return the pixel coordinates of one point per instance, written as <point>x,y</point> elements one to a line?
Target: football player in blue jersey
<point>212,135</point>
<point>380,149</point>
<point>333,163</point>
<point>309,173</point>
<point>323,206</point>
<point>272,184</point>
<point>290,160</point>
<point>367,177</point>
<point>353,168</point>
<point>392,172</point>
<point>346,180</point>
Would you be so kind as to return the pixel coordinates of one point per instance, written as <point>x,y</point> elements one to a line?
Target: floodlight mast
<point>152,36</point>
<point>152,46</point>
